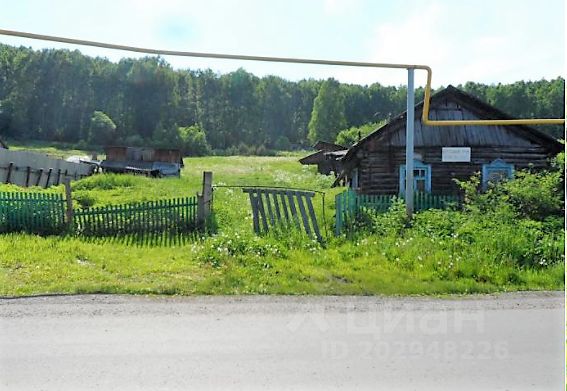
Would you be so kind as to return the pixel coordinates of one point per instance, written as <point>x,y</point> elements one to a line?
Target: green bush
<point>536,195</point>
<point>282,144</point>
<point>348,137</point>
<point>194,141</point>
<point>107,182</point>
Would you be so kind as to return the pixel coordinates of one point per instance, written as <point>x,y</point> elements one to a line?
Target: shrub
<point>391,222</point>
<point>107,182</point>
<point>438,223</point>
<point>194,141</point>
<point>535,196</point>
<point>102,129</point>
<point>282,144</point>
<point>348,137</point>
<point>85,200</point>
<point>530,195</point>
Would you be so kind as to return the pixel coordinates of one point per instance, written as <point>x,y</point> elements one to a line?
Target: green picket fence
<point>349,204</point>
<point>172,216</point>
<point>37,213</point>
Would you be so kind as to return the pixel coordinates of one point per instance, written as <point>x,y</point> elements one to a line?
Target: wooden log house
<point>376,164</point>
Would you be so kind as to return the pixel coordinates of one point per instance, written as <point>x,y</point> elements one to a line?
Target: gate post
<point>204,200</point>
<point>69,202</point>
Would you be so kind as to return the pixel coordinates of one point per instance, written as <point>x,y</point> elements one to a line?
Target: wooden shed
<point>376,164</point>
<point>327,158</point>
<point>147,161</point>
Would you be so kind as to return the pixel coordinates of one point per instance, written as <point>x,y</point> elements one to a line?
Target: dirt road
<point>501,342</point>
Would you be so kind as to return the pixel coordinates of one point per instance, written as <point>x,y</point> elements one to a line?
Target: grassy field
<point>396,260</point>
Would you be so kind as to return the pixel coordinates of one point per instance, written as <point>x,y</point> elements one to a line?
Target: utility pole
<point>410,117</point>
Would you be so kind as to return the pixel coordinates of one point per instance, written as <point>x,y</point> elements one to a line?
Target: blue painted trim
<point>354,179</point>
<point>496,165</point>
<point>417,164</point>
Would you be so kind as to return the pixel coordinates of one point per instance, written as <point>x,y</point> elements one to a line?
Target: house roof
<point>314,158</point>
<point>328,146</point>
<point>480,108</point>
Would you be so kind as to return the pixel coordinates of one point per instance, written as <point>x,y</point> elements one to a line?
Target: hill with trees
<point>62,95</point>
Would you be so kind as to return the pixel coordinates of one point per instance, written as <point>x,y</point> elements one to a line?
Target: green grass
<point>235,261</point>
<point>60,150</point>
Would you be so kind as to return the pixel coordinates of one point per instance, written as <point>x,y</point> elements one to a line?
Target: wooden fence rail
<point>177,215</point>
<point>50,214</point>
<point>349,204</point>
<point>283,208</point>
<point>37,213</point>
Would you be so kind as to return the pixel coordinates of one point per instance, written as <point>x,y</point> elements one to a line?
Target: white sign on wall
<point>456,154</point>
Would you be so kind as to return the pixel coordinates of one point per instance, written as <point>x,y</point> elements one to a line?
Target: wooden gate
<point>283,208</point>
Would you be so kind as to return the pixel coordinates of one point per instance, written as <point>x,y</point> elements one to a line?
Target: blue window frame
<point>496,171</point>
<point>421,177</point>
<point>354,179</point>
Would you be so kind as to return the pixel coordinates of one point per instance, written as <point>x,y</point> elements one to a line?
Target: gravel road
<point>101,342</point>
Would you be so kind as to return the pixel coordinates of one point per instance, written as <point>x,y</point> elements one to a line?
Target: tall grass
<point>493,245</point>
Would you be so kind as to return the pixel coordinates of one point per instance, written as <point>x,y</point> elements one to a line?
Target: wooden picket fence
<point>349,204</point>
<point>282,208</point>
<point>177,215</point>
<point>37,213</point>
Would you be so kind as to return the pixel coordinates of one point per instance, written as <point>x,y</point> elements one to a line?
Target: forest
<point>65,96</point>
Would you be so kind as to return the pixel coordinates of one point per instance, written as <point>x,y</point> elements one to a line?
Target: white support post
<point>410,117</point>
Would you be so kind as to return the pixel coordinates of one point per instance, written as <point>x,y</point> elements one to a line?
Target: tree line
<point>63,95</point>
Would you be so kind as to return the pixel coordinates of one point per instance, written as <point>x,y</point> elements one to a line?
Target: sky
<point>485,41</point>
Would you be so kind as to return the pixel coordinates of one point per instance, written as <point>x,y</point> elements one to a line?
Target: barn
<point>376,164</point>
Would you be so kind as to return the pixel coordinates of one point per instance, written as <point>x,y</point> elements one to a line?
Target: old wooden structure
<point>155,162</point>
<point>327,157</point>
<point>26,169</point>
<point>280,208</point>
<point>376,164</point>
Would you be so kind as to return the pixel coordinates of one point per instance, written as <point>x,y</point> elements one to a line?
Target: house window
<point>421,177</point>
<point>354,179</point>
<point>496,171</point>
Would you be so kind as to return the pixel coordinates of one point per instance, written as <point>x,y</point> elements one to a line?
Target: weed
<point>499,242</point>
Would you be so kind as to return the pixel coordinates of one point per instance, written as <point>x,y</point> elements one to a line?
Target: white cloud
<point>340,7</point>
<point>413,40</point>
<point>484,41</point>
<point>465,47</point>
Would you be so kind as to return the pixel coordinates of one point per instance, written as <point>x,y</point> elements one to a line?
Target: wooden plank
<point>269,206</point>
<point>48,177</point>
<point>169,216</point>
<point>39,175</point>
<point>263,219</point>
<point>9,174</point>
<point>309,201</point>
<point>35,210</point>
<point>299,198</point>
<point>338,213</point>
<point>292,209</point>
<point>28,172</point>
<point>277,207</point>
<point>284,207</point>
<point>254,205</point>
